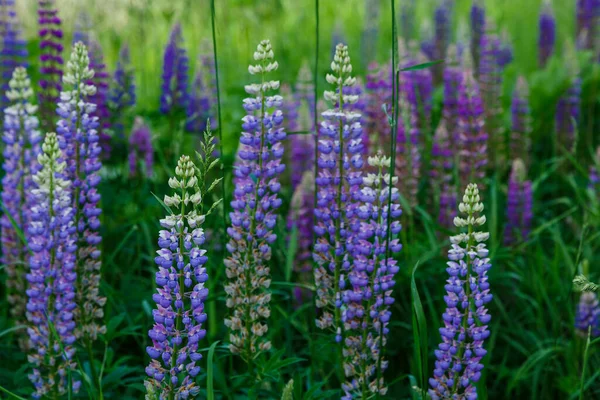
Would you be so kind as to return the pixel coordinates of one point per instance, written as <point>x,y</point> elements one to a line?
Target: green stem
<point>585,359</point>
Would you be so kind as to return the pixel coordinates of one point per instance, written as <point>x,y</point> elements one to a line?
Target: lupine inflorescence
<point>13,52</point>
<point>442,173</point>
<point>338,181</point>
<point>78,140</point>
<point>202,103</point>
<point>256,198</point>
<point>588,315</point>
<point>121,95</point>
<point>520,137</point>
<point>567,112</point>
<point>472,136</point>
<point>100,97</point>
<point>141,150</point>
<point>174,95</point>
<point>52,276</point>
<point>519,205</point>
<point>368,297</point>
<point>179,314</point>
<point>458,365</point>
<point>22,145</point>
<point>547,35</point>
<point>477,17</point>
<point>379,98</point>
<point>51,70</point>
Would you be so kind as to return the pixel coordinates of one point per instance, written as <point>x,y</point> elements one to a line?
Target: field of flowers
<point>300,199</point>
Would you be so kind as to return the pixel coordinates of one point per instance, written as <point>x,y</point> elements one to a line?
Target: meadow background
<point>534,351</point>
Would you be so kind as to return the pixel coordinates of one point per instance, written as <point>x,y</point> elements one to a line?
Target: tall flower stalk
<point>52,277</point>
<point>256,198</point>
<point>174,96</point>
<point>379,94</point>
<point>568,110</point>
<point>368,298</point>
<point>121,94</point>
<point>22,145</point>
<point>141,150</point>
<point>477,17</point>
<point>202,103</point>
<point>13,51</point>
<point>519,208</point>
<point>181,279</point>
<point>547,35</point>
<point>442,174</point>
<point>458,365</point>
<point>51,61</point>
<point>452,81</point>
<point>78,139</point>
<point>338,181</point>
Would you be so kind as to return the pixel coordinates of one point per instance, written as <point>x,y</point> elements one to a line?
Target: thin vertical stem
<point>316,119</point>
<point>585,358</point>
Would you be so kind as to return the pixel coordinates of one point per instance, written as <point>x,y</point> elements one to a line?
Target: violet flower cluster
<point>458,357</point>
<point>202,102</point>
<point>52,276</point>
<point>255,200</point>
<point>588,14</point>
<point>51,61</point>
<point>141,150</point>
<point>13,51</point>
<point>477,17</point>
<point>379,99</point>
<point>472,136</point>
<point>368,297</point>
<point>301,217</point>
<point>519,207</point>
<point>339,178</point>
<point>21,139</point>
<point>520,137</point>
<point>408,140</point>
<point>547,35</point>
<point>568,110</point>
<point>121,95</point>
<point>179,314</point>
<point>588,315</point>
<point>452,81</point>
<point>442,35</point>
<point>78,140</point>
<point>174,95</point>
<point>100,97</point>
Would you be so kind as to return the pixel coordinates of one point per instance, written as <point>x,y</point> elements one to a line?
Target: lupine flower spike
<point>100,97</point>
<point>338,181</point>
<point>442,173</point>
<point>52,276</point>
<point>547,35</point>
<point>519,205</point>
<point>520,138</point>
<point>179,315</point>
<point>256,199</point>
<point>13,52</point>
<point>174,96</point>
<point>379,93</point>
<point>458,365</point>
<point>472,137</point>
<point>202,104</point>
<point>477,17</point>
<point>588,315</point>
<point>51,61</point>
<point>568,109</point>
<point>121,95</point>
<point>368,299</point>
<point>141,150</point>
<point>452,79</point>
<point>22,146</point>
<point>78,139</point>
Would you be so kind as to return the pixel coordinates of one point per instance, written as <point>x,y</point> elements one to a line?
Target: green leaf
<point>210,391</point>
<point>162,203</point>
<point>291,253</point>
<point>419,330</point>
<point>417,67</point>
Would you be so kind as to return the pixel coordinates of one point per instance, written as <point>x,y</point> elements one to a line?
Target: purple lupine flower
<point>458,357</point>
<point>301,217</point>
<point>442,18</point>
<point>442,173</point>
<point>51,62</point>
<point>22,146</point>
<point>359,107</point>
<point>568,112</point>
<point>490,80</point>
<point>408,139</point>
<point>290,108</point>
<point>174,87</point>
<point>588,315</point>
<point>472,136</point>
<point>547,35</point>
<point>302,146</point>
<point>255,200</point>
<point>478,27</point>
<point>427,47</point>
<point>141,151</point>
<point>100,97</point>
<point>505,51</point>
<point>181,276</point>
<point>452,80</point>
<point>202,104</point>
<point>52,277</point>
<point>519,206</point>
<point>340,141</point>
<point>121,95</point>
<point>520,138</point>
<point>379,99</point>
<point>368,297</point>
<point>422,80</point>
<point>305,88</point>
<point>13,52</point>
<point>78,140</point>
<point>588,15</point>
